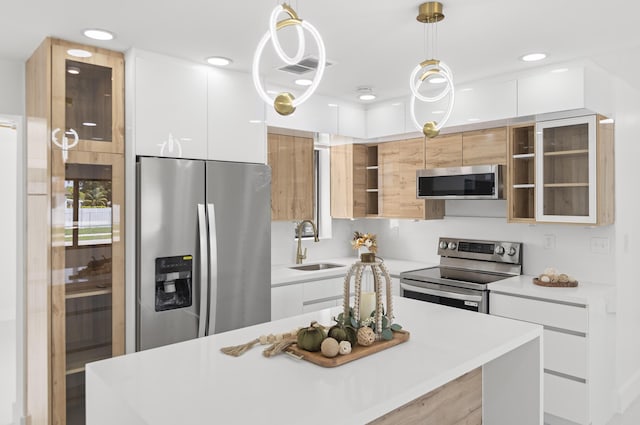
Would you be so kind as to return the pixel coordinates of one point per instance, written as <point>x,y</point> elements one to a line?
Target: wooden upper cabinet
<point>87,99</point>
<point>348,181</point>
<point>483,147</point>
<point>444,151</point>
<point>292,177</point>
<point>398,162</point>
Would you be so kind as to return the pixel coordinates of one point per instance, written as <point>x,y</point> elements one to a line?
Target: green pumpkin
<point>343,333</point>
<point>311,338</point>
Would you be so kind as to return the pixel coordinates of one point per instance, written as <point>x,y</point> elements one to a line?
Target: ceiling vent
<point>310,63</point>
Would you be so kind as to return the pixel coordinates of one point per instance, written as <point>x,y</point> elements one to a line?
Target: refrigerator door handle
<point>213,262</point>
<point>204,270</point>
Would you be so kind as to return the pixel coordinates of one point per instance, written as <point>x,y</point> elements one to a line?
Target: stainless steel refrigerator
<point>203,248</point>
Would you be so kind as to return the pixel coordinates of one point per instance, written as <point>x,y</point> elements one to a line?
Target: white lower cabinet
<point>572,341</point>
<point>286,301</point>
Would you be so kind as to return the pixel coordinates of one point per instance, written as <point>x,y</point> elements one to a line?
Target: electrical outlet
<point>599,245</point>
<point>549,241</point>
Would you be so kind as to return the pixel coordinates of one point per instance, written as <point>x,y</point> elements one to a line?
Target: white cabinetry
<point>316,115</point>
<point>236,127</point>
<point>352,121</point>
<point>386,119</point>
<point>170,106</point>
<point>575,383</point>
<point>286,301</point>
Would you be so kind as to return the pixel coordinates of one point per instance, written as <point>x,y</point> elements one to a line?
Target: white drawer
<point>565,398</point>
<point>319,289</point>
<point>318,306</point>
<point>565,353</point>
<point>545,313</point>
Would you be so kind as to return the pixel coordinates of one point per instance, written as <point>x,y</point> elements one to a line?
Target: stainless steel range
<point>466,267</point>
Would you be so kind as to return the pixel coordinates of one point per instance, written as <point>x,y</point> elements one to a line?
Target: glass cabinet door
<point>566,170</point>
<point>87,273</point>
<point>87,99</point>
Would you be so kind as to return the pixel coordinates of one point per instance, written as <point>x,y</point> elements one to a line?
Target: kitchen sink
<point>316,267</point>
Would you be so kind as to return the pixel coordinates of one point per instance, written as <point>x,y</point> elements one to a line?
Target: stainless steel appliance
<point>470,182</point>
<point>203,248</point>
<point>466,267</point>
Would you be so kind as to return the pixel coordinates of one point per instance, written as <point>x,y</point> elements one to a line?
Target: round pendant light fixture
<point>286,103</point>
<point>433,71</point>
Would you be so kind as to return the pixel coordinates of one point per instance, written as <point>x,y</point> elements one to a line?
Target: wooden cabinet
<point>292,177</point>
<point>479,147</point>
<point>398,162</point>
<point>75,224</point>
<point>574,171</point>
<point>169,106</point>
<point>348,181</point>
<point>444,151</point>
<point>371,181</point>
<point>521,174</point>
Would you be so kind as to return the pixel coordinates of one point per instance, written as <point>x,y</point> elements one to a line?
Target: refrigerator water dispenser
<point>173,282</point>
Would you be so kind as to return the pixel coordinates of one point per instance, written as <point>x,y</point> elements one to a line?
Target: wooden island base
<point>457,402</point>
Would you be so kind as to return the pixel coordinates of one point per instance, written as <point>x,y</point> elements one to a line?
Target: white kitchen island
<point>194,383</point>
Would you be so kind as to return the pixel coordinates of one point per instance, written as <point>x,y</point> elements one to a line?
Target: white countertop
<point>193,382</point>
<point>586,293</point>
<point>283,275</point>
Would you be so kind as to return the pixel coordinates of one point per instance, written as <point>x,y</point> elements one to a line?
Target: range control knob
<point>443,245</point>
<point>512,251</point>
<point>452,245</point>
<point>499,250</point>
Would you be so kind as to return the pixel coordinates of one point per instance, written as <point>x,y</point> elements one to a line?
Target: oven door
<point>467,299</point>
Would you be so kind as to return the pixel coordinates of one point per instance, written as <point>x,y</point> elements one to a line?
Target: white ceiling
<point>371,42</point>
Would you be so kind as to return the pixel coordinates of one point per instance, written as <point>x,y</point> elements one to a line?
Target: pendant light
<point>285,103</point>
<point>430,70</point>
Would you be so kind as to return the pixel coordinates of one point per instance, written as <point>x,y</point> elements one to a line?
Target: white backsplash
<point>283,243</point>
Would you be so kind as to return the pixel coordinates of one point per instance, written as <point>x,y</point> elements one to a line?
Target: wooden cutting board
<point>356,353</point>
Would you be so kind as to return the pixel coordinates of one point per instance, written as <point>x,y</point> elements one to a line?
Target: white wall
<point>8,215</point>
<point>12,91</point>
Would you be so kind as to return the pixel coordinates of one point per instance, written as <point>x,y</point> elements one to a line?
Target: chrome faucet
<point>299,255</point>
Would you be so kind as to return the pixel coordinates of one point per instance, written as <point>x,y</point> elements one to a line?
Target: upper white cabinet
<point>318,114</point>
<point>169,106</point>
<point>564,89</point>
<point>236,118</point>
<point>386,119</point>
<point>352,121</point>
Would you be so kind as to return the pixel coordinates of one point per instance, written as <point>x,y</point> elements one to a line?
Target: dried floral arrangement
<point>366,240</point>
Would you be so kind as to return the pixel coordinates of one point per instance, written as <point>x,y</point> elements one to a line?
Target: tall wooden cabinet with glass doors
<point>75,219</point>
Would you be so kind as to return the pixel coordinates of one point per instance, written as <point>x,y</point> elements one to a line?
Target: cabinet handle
<point>213,261</point>
<point>64,145</point>
<point>204,271</point>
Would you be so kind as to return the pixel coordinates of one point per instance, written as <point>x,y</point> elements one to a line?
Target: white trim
<point>628,392</point>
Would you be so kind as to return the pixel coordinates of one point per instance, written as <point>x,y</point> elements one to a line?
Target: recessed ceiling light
<point>437,112</point>
<point>366,97</point>
<point>365,93</point>
<point>532,57</point>
<point>89,124</point>
<point>97,34</point>
<point>73,70</point>
<point>437,80</point>
<point>79,53</point>
<point>218,61</point>
<point>559,70</point>
<point>303,82</point>
<point>332,105</point>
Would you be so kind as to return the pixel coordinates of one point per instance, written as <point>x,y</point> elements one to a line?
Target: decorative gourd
<point>337,332</point>
<point>310,338</point>
<point>366,336</point>
<point>344,347</point>
<point>329,347</point>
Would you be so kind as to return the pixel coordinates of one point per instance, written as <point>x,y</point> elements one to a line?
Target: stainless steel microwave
<point>471,182</point>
